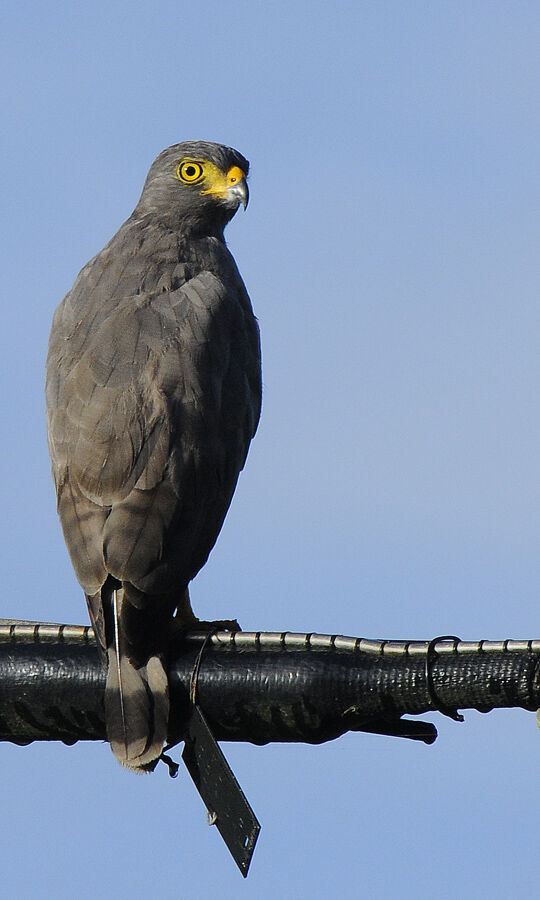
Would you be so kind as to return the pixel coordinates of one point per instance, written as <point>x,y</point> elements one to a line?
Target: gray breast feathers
<point>160,393</point>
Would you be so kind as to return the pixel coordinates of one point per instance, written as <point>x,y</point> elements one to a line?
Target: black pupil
<point>191,171</point>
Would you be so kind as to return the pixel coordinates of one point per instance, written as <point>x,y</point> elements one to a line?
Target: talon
<point>218,625</point>
<point>172,766</point>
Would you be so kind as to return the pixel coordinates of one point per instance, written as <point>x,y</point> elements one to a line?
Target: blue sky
<point>391,252</point>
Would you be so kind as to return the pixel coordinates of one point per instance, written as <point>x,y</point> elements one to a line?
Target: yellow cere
<point>204,172</point>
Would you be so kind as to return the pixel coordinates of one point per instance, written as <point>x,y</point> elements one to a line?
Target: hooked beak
<point>239,191</point>
<point>231,188</point>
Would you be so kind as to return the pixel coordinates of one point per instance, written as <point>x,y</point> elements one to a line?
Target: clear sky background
<point>391,253</point>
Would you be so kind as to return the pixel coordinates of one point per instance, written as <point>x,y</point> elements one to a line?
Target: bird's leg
<point>186,620</point>
<point>184,614</point>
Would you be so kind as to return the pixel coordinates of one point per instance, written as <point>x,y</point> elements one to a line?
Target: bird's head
<point>196,184</point>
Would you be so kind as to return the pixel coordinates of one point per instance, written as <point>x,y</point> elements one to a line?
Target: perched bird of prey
<point>153,396</point>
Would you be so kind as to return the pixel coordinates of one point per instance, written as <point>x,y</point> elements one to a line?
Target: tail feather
<point>158,686</point>
<point>136,695</point>
<point>136,710</point>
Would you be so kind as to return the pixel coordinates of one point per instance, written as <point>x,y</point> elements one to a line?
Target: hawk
<point>153,395</point>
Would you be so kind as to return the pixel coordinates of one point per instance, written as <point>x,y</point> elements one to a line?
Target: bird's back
<point>153,391</point>
<point>153,395</point>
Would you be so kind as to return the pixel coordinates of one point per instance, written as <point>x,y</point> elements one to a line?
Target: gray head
<point>197,185</point>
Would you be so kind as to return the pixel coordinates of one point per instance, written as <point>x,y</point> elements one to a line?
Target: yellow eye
<point>189,171</point>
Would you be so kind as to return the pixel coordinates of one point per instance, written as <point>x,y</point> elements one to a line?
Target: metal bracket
<point>223,797</point>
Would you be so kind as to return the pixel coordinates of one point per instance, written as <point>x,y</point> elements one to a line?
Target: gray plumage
<point>153,395</point>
